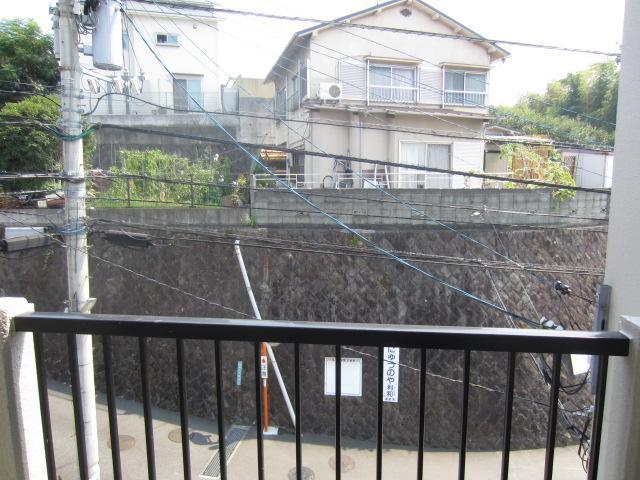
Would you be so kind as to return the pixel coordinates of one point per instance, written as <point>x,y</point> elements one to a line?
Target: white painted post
<point>21,438</point>
<point>619,457</point>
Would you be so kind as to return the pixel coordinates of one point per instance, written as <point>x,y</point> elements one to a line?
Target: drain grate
<point>232,441</point>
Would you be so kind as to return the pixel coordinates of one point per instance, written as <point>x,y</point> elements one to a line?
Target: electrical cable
<point>430,87</point>
<point>339,21</point>
<point>244,145</point>
<point>195,236</point>
<point>335,220</point>
<point>106,174</point>
<point>131,271</point>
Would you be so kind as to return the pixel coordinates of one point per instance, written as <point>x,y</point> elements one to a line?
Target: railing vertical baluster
<point>78,408</point>
<point>296,361</point>
<point>45,415</point>
<point>219,401</point>
<point>111,407</point>
<point>423,371</point>
<point>508,414</point>
<point>338,391</point>
<point>146,405</point>
<point>465,415</point>
<point>553,416</point>
<point>258,381</point>
<point>596,429</point>
<point>379,408</point>
<point>184,414</point>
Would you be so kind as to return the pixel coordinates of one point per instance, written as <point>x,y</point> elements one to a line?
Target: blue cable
<point>335,220</point>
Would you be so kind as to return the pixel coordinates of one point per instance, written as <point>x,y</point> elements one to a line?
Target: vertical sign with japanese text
<point>391,374</point>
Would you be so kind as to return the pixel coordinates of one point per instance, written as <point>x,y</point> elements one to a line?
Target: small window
<point>167,39</point>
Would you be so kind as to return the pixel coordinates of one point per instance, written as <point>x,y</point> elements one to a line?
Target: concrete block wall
<point>367,207</point>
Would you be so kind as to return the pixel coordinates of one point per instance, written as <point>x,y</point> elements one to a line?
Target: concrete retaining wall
<point>369,207</point>
<point>295,285</point>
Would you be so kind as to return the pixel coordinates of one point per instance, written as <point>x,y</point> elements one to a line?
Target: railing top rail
<point>361,334</point>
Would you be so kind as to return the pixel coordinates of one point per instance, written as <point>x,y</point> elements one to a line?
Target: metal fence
<point>465,339</point>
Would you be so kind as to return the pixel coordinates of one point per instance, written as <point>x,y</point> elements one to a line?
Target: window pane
<point>179,93</point>
<point>454,81</point>
<point>412,154</point>
<point>404,77</point>
<point>476,82</point>
<point>380,76</point>
<point>195,93</point>
<point>438,156</point>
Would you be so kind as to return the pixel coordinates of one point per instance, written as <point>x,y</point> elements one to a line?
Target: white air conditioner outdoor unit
<point>330,92</point>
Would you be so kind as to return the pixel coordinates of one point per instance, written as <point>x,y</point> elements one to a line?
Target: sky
<point>592,24</point>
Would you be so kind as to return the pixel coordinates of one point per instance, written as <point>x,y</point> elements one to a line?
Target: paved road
<point>358,462</point>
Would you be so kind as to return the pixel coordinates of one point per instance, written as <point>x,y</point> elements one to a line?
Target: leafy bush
<point>171,179</point>
<point>536,166</point>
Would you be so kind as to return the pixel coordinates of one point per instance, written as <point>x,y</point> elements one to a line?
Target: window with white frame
<point>422,154</point>
<point>187,93</point>
<point>167,39</point>
<point>467,88</point>
<point>391,83</point>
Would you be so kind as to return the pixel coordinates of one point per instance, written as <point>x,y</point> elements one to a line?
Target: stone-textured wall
<point>306,286</point>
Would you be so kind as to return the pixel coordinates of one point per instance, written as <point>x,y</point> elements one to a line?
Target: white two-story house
<point>187,42</point>
<point>386,95</point>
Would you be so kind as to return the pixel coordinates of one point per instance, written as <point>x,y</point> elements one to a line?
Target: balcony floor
<point>398,462</point>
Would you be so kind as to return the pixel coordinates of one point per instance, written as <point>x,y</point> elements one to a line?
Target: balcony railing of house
<point>374,179</point>
<point>150,103</point>
<point>513,342</point>
<point>393,94</point>
<point>464,98</point>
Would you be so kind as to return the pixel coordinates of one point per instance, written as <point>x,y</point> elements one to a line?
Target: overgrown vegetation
<point>27,61</point>
<point>26,149</point>
<point>580,108</point>
<point>158,179</point>
<point>545,166</point>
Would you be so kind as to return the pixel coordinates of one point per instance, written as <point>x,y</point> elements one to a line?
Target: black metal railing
<point>465,339</point>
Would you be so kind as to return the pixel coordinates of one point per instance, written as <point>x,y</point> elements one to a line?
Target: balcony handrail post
<point>21,432</point>
<point>620,439</point>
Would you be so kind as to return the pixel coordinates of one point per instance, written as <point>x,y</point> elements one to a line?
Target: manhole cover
<point>347,462</point>
<point>307,474</point>
<point>127,442</point>
<point>175,435</point>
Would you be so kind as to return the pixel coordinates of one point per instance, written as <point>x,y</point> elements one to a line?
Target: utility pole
<point>74,233</point>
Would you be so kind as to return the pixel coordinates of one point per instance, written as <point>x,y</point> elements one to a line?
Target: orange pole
<point>265,389</point>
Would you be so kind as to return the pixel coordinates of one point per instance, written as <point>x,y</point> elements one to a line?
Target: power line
<point>353,158</point>
<point>474,208</point>
<point>337,123</point>
<point>131,271</point>
<point>422,213</point>
<point>329,23</point>
<point>334,219</point>
<point>260,241</point>
<point>548,128</point>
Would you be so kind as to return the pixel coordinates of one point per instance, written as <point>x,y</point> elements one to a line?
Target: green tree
<point>24,148</point>
<point>26,56</point>
<point>579,108</point>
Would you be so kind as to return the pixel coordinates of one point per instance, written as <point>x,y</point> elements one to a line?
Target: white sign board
<point>350,380</point>
<point>391,374</point>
